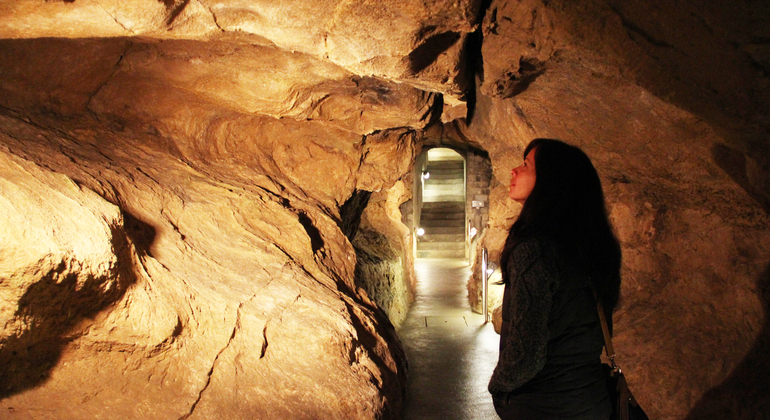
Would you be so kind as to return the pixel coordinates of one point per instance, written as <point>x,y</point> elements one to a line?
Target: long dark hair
<point>567,206</point>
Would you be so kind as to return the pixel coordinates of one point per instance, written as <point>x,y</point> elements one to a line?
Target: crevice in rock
<point>143,172</point>
<point>294,261</point>
<point>733,163</point>
<point>113,17</point>
<point>264,343</point>
<point>175,11</point>
<point>213,15</point>
<point>633,28</point>
<point>761,65</point>
<point>351,211</point>
<point>166,344</point>
<point>107,80</point>
<point>393,380</point>
<point>316,239</point>
<point>522,115</point>
<point>142,235</point>
<point>474,58</point>
<point>436,109</point>
<point>516,82</point>
<point>236,326</point>
<point>427,52</point>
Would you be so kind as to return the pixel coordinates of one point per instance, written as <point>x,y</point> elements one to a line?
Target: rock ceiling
<point>174,175</point>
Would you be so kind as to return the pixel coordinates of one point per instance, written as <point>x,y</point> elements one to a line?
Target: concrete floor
<point>451,351</point>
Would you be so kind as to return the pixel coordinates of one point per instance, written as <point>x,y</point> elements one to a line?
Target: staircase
<point>443,207</point>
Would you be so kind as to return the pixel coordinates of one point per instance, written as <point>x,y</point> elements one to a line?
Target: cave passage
<point>441,222</point>
<point>209,209</point>
<point>451,351</point>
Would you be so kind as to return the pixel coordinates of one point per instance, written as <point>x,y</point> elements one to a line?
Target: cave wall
<point>227,226</point>
<point>385,261</point>
<point>208,302</point>
<point>695,242</point>
<point>175,175</point>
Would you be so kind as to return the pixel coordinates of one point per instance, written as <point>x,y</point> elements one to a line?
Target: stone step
<point>454,205</point>
<point>429,208</point>
<point>443,221</point>
<point>443,175</point>
<point>425,223</point>
<point>444,253</point>
<point>443,182</point>
<point>442,237</point>
<point>441,179</point>
<point>446,172</point>
<point>441,197</point>
<point>444,153</point>
<point>452,193</point>
<point>442,215</point>
<point>423,246</point>
<point>445,164</point>
<point>444,191</point>
<point>444,230</point>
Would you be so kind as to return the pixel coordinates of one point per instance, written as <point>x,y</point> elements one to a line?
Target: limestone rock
<point>665,198</point>
<point>519,42</point>
<point>197,317</point>
<point>64,257</point>
<point>384,250</point>
<point>201,200</point>
<point>409,41</point>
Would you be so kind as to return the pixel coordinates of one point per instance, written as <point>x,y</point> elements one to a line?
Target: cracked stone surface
<point>200,201</point>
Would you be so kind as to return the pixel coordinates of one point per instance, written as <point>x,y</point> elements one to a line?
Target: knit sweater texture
<point>551,338</point>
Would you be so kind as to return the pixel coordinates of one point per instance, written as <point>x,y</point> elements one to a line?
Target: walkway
<point>451,352</point>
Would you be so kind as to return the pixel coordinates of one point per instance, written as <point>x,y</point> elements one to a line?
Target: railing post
<point>484,283</point>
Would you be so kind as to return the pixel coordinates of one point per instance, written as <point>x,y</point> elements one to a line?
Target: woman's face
<point>523,178</point>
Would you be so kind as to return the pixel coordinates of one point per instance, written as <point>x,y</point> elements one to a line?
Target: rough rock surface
<point>209,303</point>
<point>415,42</point>
<point>199,201</point>
<point>384,251</point>
<point>693,226</point>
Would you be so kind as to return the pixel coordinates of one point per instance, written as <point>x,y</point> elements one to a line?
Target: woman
<point>560,253</point>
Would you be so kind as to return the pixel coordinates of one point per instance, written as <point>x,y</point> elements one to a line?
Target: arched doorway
<point>441,221</point>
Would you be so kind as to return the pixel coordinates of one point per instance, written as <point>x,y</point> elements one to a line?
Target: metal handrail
<point>484,283</point>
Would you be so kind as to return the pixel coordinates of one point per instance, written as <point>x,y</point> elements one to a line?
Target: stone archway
<point>440,227</point>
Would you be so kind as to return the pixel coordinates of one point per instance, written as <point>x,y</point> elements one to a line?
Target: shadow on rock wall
<point>54,306</point>
<point>744,395</point>
<point>734,164</point>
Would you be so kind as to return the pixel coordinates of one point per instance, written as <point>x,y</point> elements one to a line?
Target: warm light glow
<point>491,267</point>
<point>473,232</point>
<point>425,175</point>
<point>420,231</point>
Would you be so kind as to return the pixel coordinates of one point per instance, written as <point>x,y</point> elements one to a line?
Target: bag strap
<point>625,397</point>
<point>608,348</point>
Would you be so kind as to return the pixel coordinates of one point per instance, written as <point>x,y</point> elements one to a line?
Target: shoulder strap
<point>606,330</point>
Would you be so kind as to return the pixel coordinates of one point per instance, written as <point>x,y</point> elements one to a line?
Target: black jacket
<point>551,338</point>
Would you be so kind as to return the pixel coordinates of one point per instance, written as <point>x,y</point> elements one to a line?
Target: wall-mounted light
<point>420,231</point>
<point>472,232</point>
<point>425,175</point>
<point>491,267</point>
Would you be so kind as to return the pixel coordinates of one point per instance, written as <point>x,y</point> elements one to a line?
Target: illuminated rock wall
<point>184,231</point>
